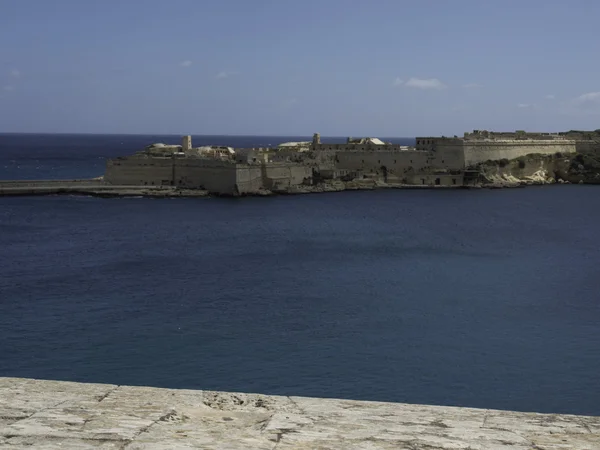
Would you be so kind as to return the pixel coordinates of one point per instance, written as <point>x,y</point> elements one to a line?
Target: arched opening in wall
<point>384,171</point>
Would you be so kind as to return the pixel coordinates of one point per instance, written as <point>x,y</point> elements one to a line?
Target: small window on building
<point>394,161</point>
<point>363,161</point>
<point>453,180</point>
<point>442,161</point>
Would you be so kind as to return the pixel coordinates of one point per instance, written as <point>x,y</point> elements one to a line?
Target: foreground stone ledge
<point>53,414</point>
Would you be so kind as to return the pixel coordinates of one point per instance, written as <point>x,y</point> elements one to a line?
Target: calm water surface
<point>483,298</point>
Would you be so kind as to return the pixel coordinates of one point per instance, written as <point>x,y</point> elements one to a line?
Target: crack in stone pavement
<point>266,423</point>
<point>145,429</point>
<point>296,405</point>
<point>585,425</point>
<point>38,411</point>
<point>103,396</point>
<point>485,418</point>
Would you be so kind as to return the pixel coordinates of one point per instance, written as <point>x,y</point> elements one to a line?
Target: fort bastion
<point>236,171</point>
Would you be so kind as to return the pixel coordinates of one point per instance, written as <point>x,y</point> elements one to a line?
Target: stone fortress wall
<point>223,170</point>
<point>586,142</point>
<point>481,146</point>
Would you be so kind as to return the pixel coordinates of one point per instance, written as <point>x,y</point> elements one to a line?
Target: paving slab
<point>52,415</point>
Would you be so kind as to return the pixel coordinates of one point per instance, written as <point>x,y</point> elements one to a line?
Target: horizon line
<point>57,133</point>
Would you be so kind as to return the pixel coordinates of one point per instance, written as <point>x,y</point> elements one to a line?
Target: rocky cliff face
<point>539,169</point>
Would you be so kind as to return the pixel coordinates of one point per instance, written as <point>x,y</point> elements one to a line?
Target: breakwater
<point>95,187</point>
<point>53,414</point>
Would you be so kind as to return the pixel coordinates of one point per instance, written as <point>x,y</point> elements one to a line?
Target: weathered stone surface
<point>52,415</point>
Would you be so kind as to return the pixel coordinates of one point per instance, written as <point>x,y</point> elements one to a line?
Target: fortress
<point>433,161</point>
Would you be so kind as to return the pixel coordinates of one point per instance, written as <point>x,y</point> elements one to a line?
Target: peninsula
<point>477,159</point>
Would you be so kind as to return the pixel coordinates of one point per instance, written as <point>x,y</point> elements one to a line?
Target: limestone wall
<point>248,178</point>
<point>140,172</point>
<point>588,146</point>
<point>215,176</point>
<point>398,161</point>
<point>436,179</point>
<point>431,144</point>
<point>480,151</point>
<point>282,175</point>
<point>356,147</point>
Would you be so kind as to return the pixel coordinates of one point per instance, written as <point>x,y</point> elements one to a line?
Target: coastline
<point>97,188</point>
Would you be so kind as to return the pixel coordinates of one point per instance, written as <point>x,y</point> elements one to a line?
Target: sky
<point>286,67</point>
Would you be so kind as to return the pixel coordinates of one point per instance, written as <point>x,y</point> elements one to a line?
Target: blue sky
<point>376,68</point>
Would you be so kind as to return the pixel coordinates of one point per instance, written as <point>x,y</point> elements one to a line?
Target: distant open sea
<point>480,298</point>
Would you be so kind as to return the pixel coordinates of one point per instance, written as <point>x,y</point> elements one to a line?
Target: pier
<point>55,414</point>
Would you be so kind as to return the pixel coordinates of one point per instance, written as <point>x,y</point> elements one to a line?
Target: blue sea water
<point>481,298</point>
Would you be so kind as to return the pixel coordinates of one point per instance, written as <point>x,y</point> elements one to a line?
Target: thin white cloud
<point>398,82</point>
<point>472,85</point>
<point>550,97</point>
<point>587,101</point>
<point>525,105</point>
<point>224,74</point>
<point>15,73</point>
<point>186,63</point>
<point>425,83</point>
<point>8,88</point>
<point>291,102</point>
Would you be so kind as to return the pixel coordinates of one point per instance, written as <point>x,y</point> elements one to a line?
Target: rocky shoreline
<point>108,191</point>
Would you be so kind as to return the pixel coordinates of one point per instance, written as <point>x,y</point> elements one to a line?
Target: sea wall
<point>480,151</point>
<point>248,178</point>
<point>278,176</point>
<point>139,171</point>
<point>405,166</point>
<point>215,176</point>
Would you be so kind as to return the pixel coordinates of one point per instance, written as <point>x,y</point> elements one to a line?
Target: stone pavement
<point>38,414</point>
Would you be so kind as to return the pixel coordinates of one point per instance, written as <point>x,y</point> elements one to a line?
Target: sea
<point>477,298</point>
